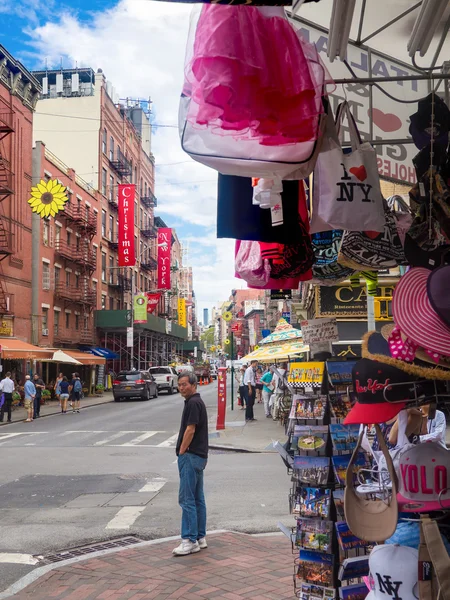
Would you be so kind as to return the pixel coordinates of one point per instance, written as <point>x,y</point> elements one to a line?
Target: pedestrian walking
<point>239,377</point>
<point>266,380</point>
<point>30,394</point>
<point>192,453</point>
<point>279,389</point>
<point>57,388</point>
<point>76,389</point>
<point>7,387</point>
<point>259,385</point>
<point>64,388</point>
<point>250,390</point>
<point>39,385</point>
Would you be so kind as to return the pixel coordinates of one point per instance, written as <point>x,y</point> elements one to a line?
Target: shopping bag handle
<point>355,137</point>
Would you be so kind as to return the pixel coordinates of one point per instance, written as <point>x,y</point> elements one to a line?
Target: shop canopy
<point>277,352</point>
<point>103,352</point>
<point>283,332</point>
<point>83,358</point>
<point>59,356</point>
<point>14,349</point>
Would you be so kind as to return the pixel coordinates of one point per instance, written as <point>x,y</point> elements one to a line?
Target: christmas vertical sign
<point>164,252</point>
<point>126,250</point>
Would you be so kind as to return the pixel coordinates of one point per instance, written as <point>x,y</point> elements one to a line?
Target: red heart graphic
<point>372,234</point>
<point>386,121</point>
<point>359,172</point>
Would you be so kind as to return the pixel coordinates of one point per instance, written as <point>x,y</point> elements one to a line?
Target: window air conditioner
<point>45,332</point>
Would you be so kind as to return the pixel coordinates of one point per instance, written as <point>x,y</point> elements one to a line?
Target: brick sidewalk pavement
<point>234,567</point>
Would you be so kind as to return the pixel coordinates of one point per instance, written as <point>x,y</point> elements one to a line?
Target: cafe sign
<point>344,301</point>
<point>6,328</point>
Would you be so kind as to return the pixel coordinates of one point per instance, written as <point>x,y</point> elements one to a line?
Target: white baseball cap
<point>394,572</point>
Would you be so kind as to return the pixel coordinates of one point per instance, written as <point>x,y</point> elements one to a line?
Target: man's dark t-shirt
<point>38,389</point>
<point>194,413</point>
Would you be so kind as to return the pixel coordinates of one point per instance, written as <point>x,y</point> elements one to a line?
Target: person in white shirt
<point>432,430</point>
<point>250,390</point>
<point>279,375</point>
<point>7,388</point>
<point>239,377</point>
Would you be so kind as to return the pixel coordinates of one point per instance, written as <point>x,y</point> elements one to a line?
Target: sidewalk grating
<point>122,542</point>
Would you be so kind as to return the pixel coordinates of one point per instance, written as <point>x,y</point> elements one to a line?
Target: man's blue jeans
<point>191,497</point>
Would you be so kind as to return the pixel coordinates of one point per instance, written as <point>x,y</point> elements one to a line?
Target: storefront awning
<point>277,352</point>
<point>12,348</point>
<point>85,358</point>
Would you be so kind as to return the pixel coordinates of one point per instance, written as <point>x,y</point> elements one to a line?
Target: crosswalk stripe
<point>140,438</point>
<point>169,442</point>
<point>111,438</point>
<point>125,518</point>
<point>154,486</point>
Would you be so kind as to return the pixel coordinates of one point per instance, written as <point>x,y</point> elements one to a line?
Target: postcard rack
<point>329,560</point>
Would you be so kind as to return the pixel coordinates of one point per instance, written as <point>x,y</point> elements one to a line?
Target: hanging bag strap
<point>355,137</point>
<point>434,563</point>
<point>397,204</point>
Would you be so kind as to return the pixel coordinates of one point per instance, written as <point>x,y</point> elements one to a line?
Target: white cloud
<point>140,45</point>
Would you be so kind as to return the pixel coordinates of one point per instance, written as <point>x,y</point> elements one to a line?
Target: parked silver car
<point>134,384</point>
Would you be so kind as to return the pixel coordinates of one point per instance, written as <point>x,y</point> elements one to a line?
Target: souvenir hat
<point>423,257</point>
<point>422,126</point>
<point>370,380</point>
<point>368,519</point>
<point>415,316</point>
<point>424,478</point>
<point>439,292</point>
<point>375,346</point>
<point>394,572</point>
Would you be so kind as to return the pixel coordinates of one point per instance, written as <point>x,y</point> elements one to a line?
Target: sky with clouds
<point>140,45</point>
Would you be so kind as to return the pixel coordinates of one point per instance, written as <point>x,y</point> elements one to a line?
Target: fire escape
<point>6,189</point>
<point>82,256</point>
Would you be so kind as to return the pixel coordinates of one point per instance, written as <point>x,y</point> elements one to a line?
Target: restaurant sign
<point>344,301</point>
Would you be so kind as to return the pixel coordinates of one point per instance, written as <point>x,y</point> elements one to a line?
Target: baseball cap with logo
<point>394,573</point>
<point>375,405</point>
<point>424,478</point>
<point>372,517</point>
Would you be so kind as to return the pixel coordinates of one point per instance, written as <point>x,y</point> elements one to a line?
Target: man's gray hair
<point>192,377</point>
<point>27,377</point>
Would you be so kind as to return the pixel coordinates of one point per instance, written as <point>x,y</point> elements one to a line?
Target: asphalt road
<point>73,479</point>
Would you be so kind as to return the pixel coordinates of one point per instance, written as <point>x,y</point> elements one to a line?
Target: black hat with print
<point>378,400</point>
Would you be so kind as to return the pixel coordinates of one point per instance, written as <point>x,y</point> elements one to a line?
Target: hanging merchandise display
<point>326,268</point>
<point>249,264</point>
<point>362,250</point>
<point>346,193</point>
<point>256,118</point>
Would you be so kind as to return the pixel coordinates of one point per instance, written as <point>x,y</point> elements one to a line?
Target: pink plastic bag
<point>249,265</point>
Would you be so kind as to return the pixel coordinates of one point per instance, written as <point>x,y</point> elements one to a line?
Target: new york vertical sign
<point>126,250</point>
<point>164,252</point>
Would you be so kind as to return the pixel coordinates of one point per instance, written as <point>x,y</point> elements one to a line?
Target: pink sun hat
<point>415,316</point>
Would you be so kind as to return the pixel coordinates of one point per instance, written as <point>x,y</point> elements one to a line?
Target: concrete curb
<point>57,411</point>
<point>238,449</point>
<point>31,577</point>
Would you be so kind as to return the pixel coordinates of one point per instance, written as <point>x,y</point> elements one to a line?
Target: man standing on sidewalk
<point>250,392</point>
<point>30,394</point>
<point>266,380</point>
<point>7,387</point>
<point>39,385</point>
<point>192,452</point>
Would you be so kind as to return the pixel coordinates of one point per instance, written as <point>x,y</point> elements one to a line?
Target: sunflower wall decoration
<point>47,198</point>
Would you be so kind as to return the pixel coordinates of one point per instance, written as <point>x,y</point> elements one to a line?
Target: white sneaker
<point>202,543</point>
<point>186,547</point>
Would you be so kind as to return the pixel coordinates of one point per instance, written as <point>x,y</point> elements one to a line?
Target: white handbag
<point>346,192</point>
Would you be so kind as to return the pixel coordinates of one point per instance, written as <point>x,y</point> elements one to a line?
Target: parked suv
<point>166,378</point>
<point>134,384</point>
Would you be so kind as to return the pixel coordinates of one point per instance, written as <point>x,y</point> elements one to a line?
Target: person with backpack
<point>64,387</point>
<point>76,388</point>
<point>279,388</point>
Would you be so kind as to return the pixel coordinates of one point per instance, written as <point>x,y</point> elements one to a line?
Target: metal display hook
<point>419,396</point>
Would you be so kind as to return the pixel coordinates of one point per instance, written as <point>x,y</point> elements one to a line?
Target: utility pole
<point>232,369</point>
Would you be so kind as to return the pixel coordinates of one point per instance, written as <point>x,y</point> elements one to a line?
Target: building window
<point>77,322</point>
<point>111,227</point>
<point>104,179</point>
<point>68,278</point>
<point>45,232</point>
<point>111,303</point>
<point>45,276</point>
<point>135,174</point>
<point>67,320</point>
<point>136,213</point>
<point>85,323</point>
<point>58,233</point>
<point>94,289</point>
<point>104,267</point>
<point>135,247</point>
<point>103,223</point>
<point>104,138</point>
<point>141,221</point>
<point>141,187</point>
<point>56,322</point>
<point>111,188</point>
<point>103,302</point>
<point>45,321</point>
<point>78,242</point>
<point>69,237</point>
<point>111,269</point>
<point>77,280</point>
<point>111,148</point>
<point>141,249</point>
<point>57,273</point>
